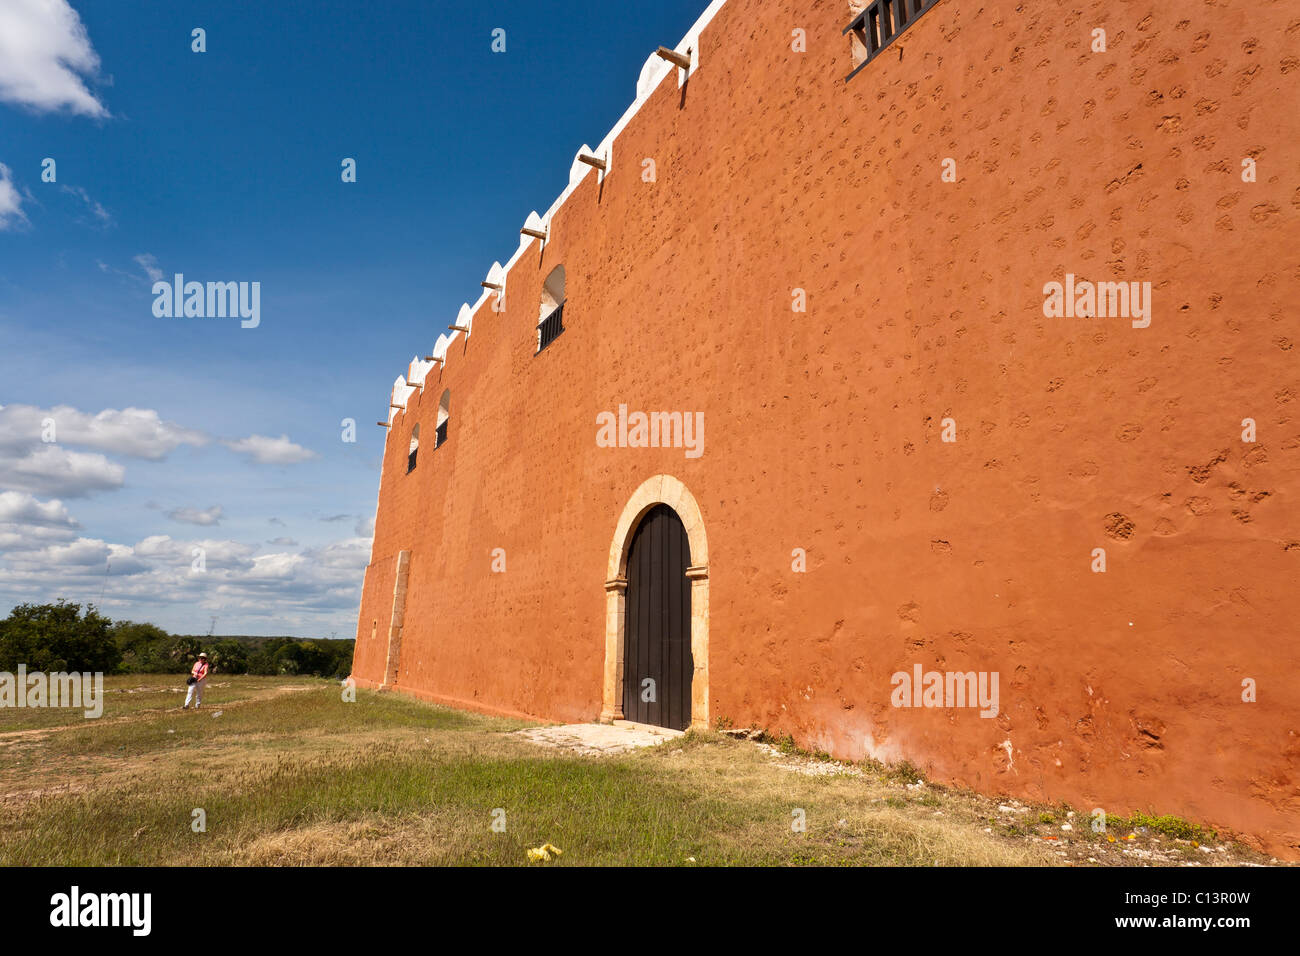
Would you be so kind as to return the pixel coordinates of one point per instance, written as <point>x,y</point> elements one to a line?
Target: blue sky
<point>175,434</point>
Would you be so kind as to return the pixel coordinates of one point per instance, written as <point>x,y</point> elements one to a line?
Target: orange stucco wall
<point>1120,690</point>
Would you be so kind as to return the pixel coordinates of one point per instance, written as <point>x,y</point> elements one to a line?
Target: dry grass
<point>131,694</point>
<point>289,774</point>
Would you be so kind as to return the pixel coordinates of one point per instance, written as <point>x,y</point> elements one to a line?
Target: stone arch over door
<point>659,490</point>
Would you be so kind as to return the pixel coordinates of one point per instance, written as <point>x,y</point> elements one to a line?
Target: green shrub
<point>57,637</point>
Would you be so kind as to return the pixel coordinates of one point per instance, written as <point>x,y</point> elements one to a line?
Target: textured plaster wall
<point>1119,690</point>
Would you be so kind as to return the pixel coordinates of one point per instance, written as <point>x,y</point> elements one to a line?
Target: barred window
<point>550,316</point>
<point>878,23</point>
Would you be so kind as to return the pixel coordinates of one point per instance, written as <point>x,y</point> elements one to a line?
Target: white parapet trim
<point>401,395</point>
<point>652,74</point>
<point>603,154</point>
<point>440,347</point>
<point>418,370</point>
<point>534,223</point>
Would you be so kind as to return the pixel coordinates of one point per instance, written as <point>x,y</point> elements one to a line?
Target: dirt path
<point>40,733</point>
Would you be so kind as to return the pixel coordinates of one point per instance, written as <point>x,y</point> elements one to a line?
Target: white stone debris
<point>809,768</point>
<point>597,740</point>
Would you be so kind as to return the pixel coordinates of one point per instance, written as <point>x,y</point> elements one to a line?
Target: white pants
<point>195,693</point>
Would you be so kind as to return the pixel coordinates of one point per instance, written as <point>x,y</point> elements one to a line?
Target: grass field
<point>287,773</point>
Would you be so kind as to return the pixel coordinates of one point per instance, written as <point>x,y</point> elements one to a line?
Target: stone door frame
<point>659,490</point>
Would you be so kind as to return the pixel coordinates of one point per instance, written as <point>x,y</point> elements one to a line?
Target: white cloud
<point>45,56</point>
<point>53,470</point>
<point>11,203</point>
<point>136,432</point>
<point>17,507</point>
<point>83,561</point>
<point>45,554</point>
<point>271,451</point>
<point>36,453</point>
<point>224,554</point>
<point>316,589</point>
<point>156,545</point>
<point>123,560</point>
<point>207,516</point>
<point>29,524</point>
<point>84,552</point>
<point>99,212</point>
<point>274,567</point>
<point>149,263</point>
<point>32,537</point>
<point>352,554</point>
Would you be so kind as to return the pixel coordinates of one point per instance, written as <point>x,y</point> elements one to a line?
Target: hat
<point>203,653</point>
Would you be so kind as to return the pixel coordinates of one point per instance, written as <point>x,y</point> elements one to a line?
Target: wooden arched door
<point>657,663</point>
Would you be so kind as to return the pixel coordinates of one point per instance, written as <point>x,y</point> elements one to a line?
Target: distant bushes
<point>286,655</point>
<point>60,637</point>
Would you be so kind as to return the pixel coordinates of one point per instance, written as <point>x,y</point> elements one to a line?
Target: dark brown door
<point>657,664</point>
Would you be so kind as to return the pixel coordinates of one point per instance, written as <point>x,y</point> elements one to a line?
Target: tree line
<point>66,637</point>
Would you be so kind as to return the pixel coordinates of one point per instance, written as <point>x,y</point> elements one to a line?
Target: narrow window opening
<point>550,316</point>
<point>414,449</point>
<point>444,415</point>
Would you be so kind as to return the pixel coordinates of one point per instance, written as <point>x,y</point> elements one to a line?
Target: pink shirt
<point>200,671</point>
